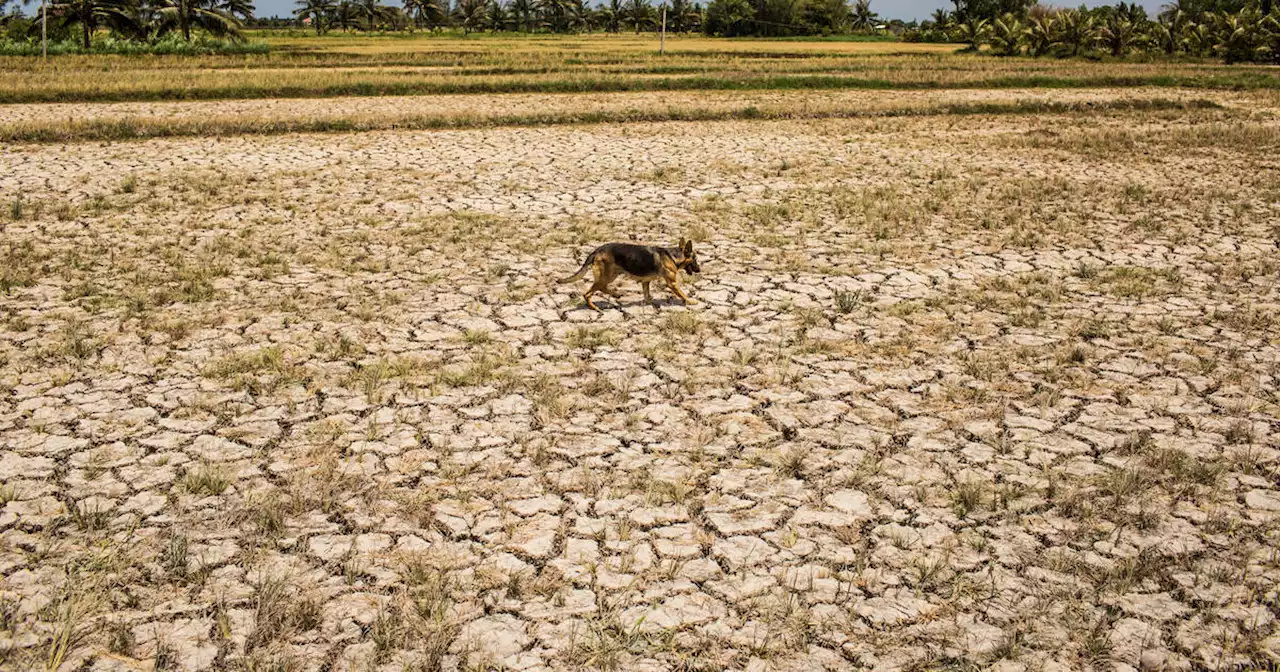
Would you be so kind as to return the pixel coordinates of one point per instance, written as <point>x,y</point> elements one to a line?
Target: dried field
<point>359,66</point>
<point>977,378</point>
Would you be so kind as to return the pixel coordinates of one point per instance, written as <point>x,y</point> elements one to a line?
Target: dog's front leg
<point>675,289</point>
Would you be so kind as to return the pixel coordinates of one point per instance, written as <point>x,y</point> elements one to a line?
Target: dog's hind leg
<point>603,278</point>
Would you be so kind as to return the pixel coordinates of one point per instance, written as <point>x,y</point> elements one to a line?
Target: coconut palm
<point>374,11</point>
<point>316,10</point>
<point>638,13</point>
<point>1042,34</point>
<point>862,18</point>
<point>1167,33</point>
<point>551,13</point>
<point>611,16</point>
<point>411,11</point>
<point>1271,35</point>
<point>1187,8</point>
<point>941,19</point>
<point>577,15</point>
<point>731,18</point>
<point>496,15</point>
<point>1199,38</point>
<point>1241,37</point>
<point>346,17</point>
<point>470,15</point>
<point>682,17</point>
<point>1119,35</point>
<point>240,8</point>
<point>974,32</point>
<point>429,13</point>
<point>1006,35</point>
<point>522,12</point>
<point>145,17</point>
<point>90,15</point>
<point>185,15</point>
<point>1132,12</point>
<point>1076,30</point>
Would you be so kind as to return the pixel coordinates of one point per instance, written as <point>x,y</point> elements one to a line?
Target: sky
<point>889,9</point>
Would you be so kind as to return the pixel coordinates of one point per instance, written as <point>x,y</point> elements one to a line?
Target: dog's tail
<point>581,271</point>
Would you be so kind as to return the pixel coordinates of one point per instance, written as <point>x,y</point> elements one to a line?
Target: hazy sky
<point>891,9</point>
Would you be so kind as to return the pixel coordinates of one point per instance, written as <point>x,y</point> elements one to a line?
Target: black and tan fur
<point>645,263</point>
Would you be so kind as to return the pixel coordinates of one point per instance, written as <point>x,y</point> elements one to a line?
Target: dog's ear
<point>686,246</point>
<point>681,244</point>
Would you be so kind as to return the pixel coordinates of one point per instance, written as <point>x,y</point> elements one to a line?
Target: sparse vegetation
<point>993,346</point>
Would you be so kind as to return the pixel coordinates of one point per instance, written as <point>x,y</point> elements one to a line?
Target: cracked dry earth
<point>958,391</point>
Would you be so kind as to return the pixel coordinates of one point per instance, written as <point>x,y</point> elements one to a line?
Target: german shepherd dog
<point>645,263</point>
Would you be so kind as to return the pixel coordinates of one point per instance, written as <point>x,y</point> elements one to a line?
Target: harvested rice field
<point>976,376</point>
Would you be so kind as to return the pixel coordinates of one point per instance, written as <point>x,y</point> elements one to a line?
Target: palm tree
<point>638,13</point>
<point>1006,35</point>
<point>496,15</point>
<point>183,15</point>
<point>430,13</point>
<point>1199,37</point>
<point>374,10</point>
<point>974,32</point>
<point>146,15</point>
<point>522,11</point>
<point>681,17</point>
<point>411,10</point>
<point>577,15</point>
<point>241,8</point>
<point>91,15</point>
<point>346,16</point>
<point>317,10</point>
<point>1240,37</point>
<point>470,15</point>
<point>1119,35</point>
<point>1167,33</point>
<point>611,16</point>
<point>554,13</point>
<point>1042,34</point>
<point>862,18</point>
<point>941,19</point>
<point>1187,8</point>
<point>1076,30</point>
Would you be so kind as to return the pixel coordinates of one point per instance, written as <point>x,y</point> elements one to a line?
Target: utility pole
<point>662,43</point>
<point>44,29</point>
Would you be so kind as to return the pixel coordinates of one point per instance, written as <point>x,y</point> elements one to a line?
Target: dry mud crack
<point>988,390</point>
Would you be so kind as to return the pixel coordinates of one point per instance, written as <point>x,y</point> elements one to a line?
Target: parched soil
<point>510,105</point>
<point>958,390</point>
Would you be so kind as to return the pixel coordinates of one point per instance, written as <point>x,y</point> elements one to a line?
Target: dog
<point>645,263</point>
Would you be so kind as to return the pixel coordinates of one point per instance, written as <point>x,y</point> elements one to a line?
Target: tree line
<point>721,17</point>
<point>1234,30</point>
<point>139,20</point>
<point>556,16</point>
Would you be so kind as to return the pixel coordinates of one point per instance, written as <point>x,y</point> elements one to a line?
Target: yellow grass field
<point>611,46</point>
